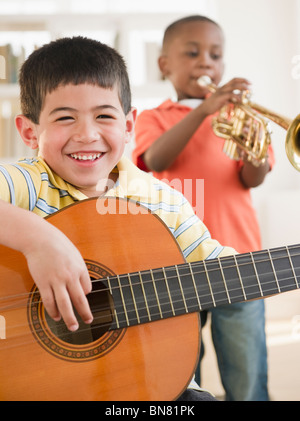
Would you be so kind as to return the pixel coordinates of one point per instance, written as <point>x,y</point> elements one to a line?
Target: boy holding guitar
<point>76,110</point>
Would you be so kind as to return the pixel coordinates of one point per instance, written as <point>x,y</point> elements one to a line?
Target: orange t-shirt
<point>205,175</point>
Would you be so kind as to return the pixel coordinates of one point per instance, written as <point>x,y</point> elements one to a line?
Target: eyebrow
<point>197,44</point>
<point>70,109</point>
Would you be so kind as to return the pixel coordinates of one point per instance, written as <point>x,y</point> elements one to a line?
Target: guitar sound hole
<point>101,305</point>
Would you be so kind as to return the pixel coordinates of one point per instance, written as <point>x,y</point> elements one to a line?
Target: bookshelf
<point>134,28</point>
<point>136,37</point>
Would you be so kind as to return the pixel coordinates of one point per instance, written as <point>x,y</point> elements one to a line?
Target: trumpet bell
<point>250,133</point>
<point>292,143</point>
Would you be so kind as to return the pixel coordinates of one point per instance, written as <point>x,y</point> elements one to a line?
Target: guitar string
<point>200,287</point>
<point>6,346</point>
<point>208,263</point>
<point>193,264</point>
<point>154,315</point>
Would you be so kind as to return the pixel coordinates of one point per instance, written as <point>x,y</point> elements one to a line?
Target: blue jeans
<point>238,333</point>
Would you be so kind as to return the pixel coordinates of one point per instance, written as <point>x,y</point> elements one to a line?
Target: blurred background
<point>262,44</point>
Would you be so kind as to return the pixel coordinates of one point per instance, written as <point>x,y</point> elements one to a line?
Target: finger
<point>86,282</point>
<point>65,307</point>
<point>239,81</point>
<point>237,86</point>
<point>235,98</point>
<point>81,304</point>
<point>50,305</point>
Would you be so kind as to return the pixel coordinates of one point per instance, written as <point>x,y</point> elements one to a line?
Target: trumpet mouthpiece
<point>204,81</point>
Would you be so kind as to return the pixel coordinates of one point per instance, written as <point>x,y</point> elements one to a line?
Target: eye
<point>104,116</point>
<point>192,54</point>
<point>64,118</point>
<point>216,56</point>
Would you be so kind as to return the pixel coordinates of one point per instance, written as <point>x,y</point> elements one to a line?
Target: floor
<point>283,343</point>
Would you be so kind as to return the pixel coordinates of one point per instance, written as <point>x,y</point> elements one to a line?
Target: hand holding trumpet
<point>230,124</point>
<point>231,92</point>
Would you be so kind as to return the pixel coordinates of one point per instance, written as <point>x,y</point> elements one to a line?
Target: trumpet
<point>243,129</point>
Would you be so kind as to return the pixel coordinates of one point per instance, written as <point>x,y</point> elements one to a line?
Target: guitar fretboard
<point>156,294</point>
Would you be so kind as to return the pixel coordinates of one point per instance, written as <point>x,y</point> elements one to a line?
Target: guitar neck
<point>157,294</point>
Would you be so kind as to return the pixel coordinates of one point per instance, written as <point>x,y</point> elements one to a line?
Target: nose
<point>204,60</point>
<point>86,132</point>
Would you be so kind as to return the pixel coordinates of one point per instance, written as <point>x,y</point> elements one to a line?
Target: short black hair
<point>173,27</point>
<point>75,61</point>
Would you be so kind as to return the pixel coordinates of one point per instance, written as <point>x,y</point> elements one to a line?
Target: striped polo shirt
<point>30,184</point>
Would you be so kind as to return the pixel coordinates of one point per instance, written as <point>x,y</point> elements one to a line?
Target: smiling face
<point>195,50</point>
<point>81,134</point>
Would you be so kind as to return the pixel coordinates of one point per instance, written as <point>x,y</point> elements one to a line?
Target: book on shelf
<point>10,63</point>
<point>11,144</point>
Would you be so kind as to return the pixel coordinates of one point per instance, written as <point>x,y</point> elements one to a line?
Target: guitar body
<point>150,361</point>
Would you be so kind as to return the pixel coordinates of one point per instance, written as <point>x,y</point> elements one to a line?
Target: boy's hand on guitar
<point>55,264</point>
<point>61,276</point>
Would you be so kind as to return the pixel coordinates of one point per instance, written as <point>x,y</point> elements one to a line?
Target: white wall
<point>262,41</point>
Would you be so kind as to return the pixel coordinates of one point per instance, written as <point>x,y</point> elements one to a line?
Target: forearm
<point>163,152</point>
<point>18,227</point>
<point>23,230</point>
<point>54,262</point>
<point>252,176</point>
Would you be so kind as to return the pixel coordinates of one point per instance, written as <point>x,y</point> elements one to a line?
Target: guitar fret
<point>240,279</point>
<point>133,297</point>
<point>256,274</point>
<point>190,288</point>
<point>265,272</point>
<point>209,284</point>
<point>292,267</point>
<point>167,286</point>
<point>284,269</point>
<point>123,301</point>
<point>156,295</point>
<point>275,276</point>
<point>294,252</point>
<point>194,284</point>
<point>115,313</point>
<point>128,291</point>
<point>212,283</point>
<point>181,289</point>
<point>145,298</point>
<point>224,281</point>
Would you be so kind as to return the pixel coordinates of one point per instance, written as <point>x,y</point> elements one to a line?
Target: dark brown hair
<point>75,61</point>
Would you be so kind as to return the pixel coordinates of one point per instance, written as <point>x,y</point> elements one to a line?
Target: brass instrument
<point>243,129</point>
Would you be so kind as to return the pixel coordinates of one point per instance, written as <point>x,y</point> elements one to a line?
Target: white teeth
<point>91,157</point>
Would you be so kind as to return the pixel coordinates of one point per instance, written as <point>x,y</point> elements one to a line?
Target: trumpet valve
<point>230,149</point>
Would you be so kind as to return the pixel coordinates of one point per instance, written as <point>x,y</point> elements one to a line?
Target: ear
<point>163,65</point>
<point>27,131</point>
<point>130,123</point>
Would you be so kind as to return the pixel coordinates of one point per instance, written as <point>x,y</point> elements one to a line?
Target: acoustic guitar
<point>144,341</point>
